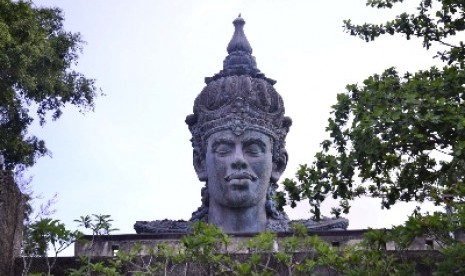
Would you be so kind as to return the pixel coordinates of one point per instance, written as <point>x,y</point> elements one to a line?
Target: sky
<point>131,158</point>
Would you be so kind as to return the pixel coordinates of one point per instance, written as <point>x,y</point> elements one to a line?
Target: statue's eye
<point>254,149</point>
<point>223,149</point>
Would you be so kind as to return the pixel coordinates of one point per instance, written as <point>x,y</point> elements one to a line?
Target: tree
<point>36,57</point>
<point>46,235</point>
<point>400,137</point>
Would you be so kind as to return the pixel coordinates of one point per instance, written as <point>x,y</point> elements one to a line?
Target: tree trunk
<point>11,222</point>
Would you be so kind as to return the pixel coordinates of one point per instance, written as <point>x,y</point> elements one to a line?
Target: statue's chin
<point>239,199</point>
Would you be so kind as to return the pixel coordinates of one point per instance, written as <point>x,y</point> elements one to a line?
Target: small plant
<point>261,249</point>
<point>99,225</point>
<point>42,235</point>
<point>206,246</point>
<point>46,235</point>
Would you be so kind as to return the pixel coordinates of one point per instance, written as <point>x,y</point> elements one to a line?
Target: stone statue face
<point>238,167</point>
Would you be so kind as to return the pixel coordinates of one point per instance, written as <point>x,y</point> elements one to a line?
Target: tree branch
<point>447,44</point>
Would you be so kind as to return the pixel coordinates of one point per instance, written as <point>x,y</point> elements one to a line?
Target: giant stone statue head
<point>238,138</point>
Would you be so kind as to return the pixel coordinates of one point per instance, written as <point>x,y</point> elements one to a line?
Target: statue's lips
<point>240,176</point>
<point>239,184</point>
<point>240,180</point>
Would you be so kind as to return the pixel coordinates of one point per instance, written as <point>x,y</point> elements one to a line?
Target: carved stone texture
<point>11,222</point>
<point>238,138</point>
<point>280,226</point>
<point>163,226</point>
<point>239,60</point>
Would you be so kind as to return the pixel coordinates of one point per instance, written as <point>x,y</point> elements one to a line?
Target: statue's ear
<point>199,166</point>
<point>279,166</point>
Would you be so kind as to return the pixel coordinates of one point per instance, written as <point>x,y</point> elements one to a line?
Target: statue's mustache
<point>240,175</point>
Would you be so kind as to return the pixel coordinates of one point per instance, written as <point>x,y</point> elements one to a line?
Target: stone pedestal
<point>11,222</point>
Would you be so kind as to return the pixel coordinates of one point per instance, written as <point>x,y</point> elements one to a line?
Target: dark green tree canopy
<point>398,136</point>
<point>434,22</point>
<point>36,60</point>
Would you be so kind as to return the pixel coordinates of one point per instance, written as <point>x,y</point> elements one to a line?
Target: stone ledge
<point>108,245</point>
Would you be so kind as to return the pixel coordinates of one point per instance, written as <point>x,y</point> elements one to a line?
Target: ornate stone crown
<point>239,98</point>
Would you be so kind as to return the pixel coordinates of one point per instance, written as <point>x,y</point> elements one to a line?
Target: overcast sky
<point>131,158</point>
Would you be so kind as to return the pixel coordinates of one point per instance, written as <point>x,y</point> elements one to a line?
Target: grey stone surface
<point>11,222</point>
<point>238,137</point>
<point>280,226</point>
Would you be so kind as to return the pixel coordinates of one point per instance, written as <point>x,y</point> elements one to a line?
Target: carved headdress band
<point>238,98</point>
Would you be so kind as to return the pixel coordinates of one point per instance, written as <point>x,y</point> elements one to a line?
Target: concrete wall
<point>108,245</point>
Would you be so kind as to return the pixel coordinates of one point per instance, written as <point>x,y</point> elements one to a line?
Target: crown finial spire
<point>239,60</point>
<point>239,41</point>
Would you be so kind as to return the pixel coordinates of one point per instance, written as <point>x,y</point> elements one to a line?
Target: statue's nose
<point>238,162</point>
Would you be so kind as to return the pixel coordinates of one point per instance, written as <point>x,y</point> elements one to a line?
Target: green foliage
<point>243,268</point>
<point>204,246</point>
<point>42,236</point>
<point>36,57</point>
<point>205,240</point>
<point>261,248</point>
<point>263,242</point>
<point>98,224</point>
<point>376,239</point>
<point>47,232</point>
<point>400,137</point>
<point>111,268</point>
<point>205,250</point>
<point>434,22</point>
<point>454,258</point>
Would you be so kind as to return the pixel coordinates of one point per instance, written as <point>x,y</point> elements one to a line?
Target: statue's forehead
<point>247,135</point>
